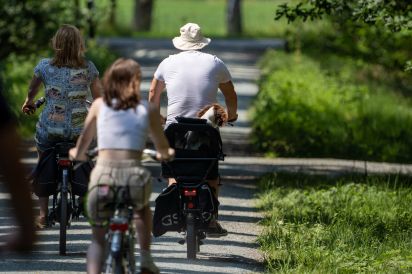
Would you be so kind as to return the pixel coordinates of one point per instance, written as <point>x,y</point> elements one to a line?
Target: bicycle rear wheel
<point>63,223</point>
<point>63,212</point>
<point>191,237</point>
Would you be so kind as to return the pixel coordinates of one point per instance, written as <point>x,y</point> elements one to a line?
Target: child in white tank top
<point>120,114</point>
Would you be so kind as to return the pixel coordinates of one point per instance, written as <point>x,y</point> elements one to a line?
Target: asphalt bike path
<point>236,253</point>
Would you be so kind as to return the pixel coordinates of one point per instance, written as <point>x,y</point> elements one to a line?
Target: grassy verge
<point>168,16</point>
<point>314,224</point>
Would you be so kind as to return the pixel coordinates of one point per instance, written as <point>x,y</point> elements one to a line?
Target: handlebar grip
<point>150,152</point>
<point>39,102</point>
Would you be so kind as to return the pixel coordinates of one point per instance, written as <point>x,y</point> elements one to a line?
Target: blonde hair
<point>117,82</point>
<point>68,46</point>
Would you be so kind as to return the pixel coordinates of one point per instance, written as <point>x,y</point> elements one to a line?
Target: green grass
<point>168,16</point>
<point>316,224</point>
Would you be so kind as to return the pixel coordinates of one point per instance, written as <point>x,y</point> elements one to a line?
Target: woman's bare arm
<point>96,88</point>
<point>34,88</point>
<point>88,133</point>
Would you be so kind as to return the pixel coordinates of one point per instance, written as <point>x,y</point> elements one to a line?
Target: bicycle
<point>121,234</point>
<point>198,148</point>
<point>65,206</point>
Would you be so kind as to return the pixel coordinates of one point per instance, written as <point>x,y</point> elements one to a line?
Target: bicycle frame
<point>64,207</point>
<point>121,236</point>
<point>188,188</point>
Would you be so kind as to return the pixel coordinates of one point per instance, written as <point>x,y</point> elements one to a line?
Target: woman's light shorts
<point>107,178</point>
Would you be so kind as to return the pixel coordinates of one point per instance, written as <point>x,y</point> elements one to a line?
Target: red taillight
<point>119,227</point>
<point>64,162</point>
<point>190,205</point>
<point>189,192</point>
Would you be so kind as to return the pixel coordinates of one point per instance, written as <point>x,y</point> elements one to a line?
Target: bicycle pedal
<point>182,241</point>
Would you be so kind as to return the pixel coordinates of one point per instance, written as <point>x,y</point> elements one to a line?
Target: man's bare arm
<point>229,92</point>
<point>155,91</point>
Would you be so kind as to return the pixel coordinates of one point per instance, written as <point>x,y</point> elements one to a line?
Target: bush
<point>304,109</point>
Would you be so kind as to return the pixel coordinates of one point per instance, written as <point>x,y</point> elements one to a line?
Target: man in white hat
<point>192,79</point>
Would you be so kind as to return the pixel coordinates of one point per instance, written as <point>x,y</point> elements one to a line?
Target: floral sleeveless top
<point>66,91</point>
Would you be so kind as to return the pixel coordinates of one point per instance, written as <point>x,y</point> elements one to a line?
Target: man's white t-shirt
<point>192,79</point>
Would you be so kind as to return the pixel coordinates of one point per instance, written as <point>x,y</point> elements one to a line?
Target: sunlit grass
<point>349,225</point>
<point>169,15</point>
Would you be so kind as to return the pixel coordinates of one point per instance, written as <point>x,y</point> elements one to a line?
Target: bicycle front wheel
<point>114,266</point>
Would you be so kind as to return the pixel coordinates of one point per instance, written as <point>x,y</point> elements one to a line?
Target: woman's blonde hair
<point>68,46</point>
<point>121,84</point>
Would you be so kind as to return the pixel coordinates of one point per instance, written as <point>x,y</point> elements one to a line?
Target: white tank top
<point>122,129</point>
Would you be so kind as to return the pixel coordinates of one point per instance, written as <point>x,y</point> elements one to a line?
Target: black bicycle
<point>189,205</point>
<point>65,184</point>
<point>120,236</point>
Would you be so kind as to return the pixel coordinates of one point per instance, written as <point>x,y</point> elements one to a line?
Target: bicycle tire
<point>118,266</point>
<point>191,237</point>
<point>108,269</point>
<point>131,261</point>
<point>63,223</point>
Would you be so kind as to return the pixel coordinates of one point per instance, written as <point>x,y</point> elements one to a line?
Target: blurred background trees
<point>343,88</point>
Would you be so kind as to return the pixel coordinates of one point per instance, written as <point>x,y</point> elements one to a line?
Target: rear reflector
<point>119,227</point>
<point>189,192</point>
<point>64,162</point>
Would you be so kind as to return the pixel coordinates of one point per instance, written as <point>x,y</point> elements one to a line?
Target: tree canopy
<point>393,14</point>
<point>376,30</point>
<point>27,25</point>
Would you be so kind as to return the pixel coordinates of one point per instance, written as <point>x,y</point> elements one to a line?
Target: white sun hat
<point>190,38</point>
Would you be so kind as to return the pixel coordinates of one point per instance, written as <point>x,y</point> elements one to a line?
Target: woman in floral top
<point>68,80</point>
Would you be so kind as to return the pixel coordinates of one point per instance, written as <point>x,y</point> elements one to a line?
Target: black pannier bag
<point>45,176</point>
<point>208,203</point>
<point>81,177</point>
<point>167,214</point>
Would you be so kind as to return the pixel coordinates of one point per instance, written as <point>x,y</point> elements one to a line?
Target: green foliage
<point>314,224</point>
<point>377,31</point>
<point>16,73</point>
<point>306,109</point>
<point>101,56</point>
<point>27,26</point>
<point>393,14</point>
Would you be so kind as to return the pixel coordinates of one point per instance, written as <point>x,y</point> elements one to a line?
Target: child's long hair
<point>68,46</point>
<point>121,84</point>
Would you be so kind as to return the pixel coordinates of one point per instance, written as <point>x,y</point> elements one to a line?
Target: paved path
<point>236,253</point>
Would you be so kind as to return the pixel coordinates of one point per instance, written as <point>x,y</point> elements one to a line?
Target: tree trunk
<point>77,15</point>
<point>233,17</point>
<point>143,15</point>
<point>112,16</point>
